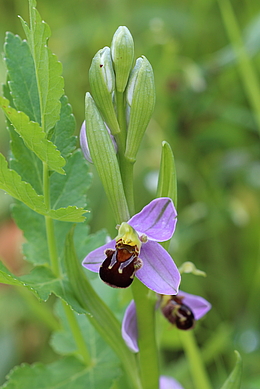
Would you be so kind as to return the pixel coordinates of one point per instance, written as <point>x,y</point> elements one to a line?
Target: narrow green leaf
<point>101,317</point>
<point>34,137</point>
<point>66,373</point>
<point>234,379</point>
<point>21,75</point>
<point>167,183</point>
<point>47,68</point>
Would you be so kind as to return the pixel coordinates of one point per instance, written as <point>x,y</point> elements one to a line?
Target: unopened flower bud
<point>140,96</point>
<point>103,155</point>
<point>84,141</point>
<point>122,51</point>
<point>102,83</point>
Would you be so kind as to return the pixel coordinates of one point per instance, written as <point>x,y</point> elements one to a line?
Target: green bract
<point>102,83</point>
<point>122,51</point>
<point>167,183</point>
<point>104,158</point>
<point>140,96</point>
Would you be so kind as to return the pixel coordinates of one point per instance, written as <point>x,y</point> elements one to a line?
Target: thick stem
<point>193,354</point>
<point>145,301</point>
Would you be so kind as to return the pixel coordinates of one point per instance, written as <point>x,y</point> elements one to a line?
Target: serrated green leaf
<point>25,162</point>
<point>12,183</point>
<point>63,136</point>
<point>66,373</point>
<point>34,137</point>
<point>42,282</point>
<point>68,214</point>
<point>72,187</point>
<point>234,379</point>
<point>35,249</point>
<point>47,68</point>
<point>21,75</point>
<point>6,277</point>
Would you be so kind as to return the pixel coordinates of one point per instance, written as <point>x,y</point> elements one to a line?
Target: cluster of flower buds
<point>117,113</point>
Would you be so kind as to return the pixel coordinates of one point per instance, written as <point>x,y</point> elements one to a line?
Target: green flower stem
<point>247,71</point>
<point>145,301</point>
<point>197,368</point>
<point>77,334</point>
<point>49,223</point>
<point>126,166</point>
<point>127,171</point>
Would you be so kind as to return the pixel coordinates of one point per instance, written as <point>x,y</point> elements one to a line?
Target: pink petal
<point>84,143</point>
<point>158,272</point>
<point>129,327</point>
<point>198,305</point>
<point>157,220</point>
<point>94,259</point>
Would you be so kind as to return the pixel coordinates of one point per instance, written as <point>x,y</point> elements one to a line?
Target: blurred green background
<point>204,112</point>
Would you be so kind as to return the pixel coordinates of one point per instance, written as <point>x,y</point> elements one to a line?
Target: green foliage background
<point>203,111</point>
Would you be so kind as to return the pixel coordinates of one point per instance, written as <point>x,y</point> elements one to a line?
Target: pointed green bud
<point>102,83</point>
<point>103,155</point>
<point>140,96</point>
<point>122,51</point>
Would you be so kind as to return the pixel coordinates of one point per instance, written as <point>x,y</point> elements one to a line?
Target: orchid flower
<point>84,141</point>
<point>183,312</point>
<point>118,261</point>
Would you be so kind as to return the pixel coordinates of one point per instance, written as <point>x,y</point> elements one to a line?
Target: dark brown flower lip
<point>119,267</point>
